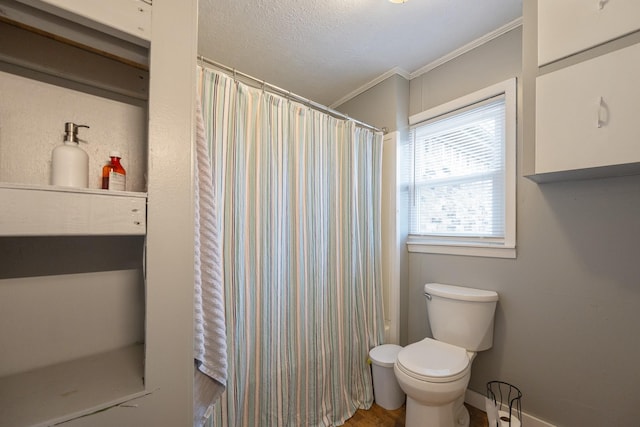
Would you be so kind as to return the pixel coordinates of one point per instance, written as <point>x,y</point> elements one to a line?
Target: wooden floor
<point>379,417</point>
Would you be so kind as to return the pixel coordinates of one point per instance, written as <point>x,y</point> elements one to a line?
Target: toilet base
<point>453,414</point>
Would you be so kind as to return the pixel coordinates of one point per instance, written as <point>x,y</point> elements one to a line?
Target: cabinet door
<point>566,27</point>
<point>588,114</point>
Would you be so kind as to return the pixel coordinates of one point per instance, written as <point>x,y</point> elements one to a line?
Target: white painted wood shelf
<point>69,390</point>
<point>129,20</point>
<point>28,210</point>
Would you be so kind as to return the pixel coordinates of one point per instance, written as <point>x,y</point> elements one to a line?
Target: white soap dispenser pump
<point>69,162</point>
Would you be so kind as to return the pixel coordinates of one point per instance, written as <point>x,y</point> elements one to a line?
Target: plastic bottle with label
<point>114,177</point>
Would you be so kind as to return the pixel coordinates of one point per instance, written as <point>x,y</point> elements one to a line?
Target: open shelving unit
<point>72,333</point>
<point>72,388</point>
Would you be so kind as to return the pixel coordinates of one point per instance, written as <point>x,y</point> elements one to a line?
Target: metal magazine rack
<point>503,405</point>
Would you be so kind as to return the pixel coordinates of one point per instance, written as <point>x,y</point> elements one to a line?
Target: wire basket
<point>503,405</point>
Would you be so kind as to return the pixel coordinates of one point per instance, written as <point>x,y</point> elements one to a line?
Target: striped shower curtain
<point>298,194</point>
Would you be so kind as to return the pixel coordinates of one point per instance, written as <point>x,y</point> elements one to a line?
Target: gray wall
<point>570,303</point>
<point>493,62</point>
<point>566,324</point>
<point>384,105</point>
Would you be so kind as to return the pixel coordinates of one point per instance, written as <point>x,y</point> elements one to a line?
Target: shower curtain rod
<point>288,94</point>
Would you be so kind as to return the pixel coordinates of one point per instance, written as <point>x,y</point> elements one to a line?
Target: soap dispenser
<point>69,162</point>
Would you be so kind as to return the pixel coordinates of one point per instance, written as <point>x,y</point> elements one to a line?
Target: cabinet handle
<point>602,4</point>
<point>603,113</point>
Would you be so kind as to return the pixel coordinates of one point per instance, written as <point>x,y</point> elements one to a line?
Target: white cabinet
<point>587,114</point>
<point>566,27</point>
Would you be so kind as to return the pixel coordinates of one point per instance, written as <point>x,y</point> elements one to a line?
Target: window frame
<point>478,246</point>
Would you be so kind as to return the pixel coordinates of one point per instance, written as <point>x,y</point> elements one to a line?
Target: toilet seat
<point>434,361</point>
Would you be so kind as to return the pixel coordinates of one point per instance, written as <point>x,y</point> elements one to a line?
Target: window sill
<point>464,250</point>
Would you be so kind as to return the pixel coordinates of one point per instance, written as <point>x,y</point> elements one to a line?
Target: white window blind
<point>458,186</point>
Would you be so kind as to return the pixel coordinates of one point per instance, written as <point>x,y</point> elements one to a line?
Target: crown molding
<point>430,66</point>
<point>396,70</point>
<point>468,47</point>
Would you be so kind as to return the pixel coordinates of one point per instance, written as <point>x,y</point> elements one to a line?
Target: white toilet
<point>434,373</point>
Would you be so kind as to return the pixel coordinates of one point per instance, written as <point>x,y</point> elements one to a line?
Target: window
<point>462,184</point>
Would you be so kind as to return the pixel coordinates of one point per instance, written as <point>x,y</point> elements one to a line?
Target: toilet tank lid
<point>460,292</point>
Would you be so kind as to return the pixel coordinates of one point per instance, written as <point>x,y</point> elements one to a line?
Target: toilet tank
<point>461,316</point>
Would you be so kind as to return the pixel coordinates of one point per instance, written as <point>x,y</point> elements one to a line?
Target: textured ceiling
<point>325,50</point>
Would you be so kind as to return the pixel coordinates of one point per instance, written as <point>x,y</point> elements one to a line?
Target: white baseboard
<point>477,401</point>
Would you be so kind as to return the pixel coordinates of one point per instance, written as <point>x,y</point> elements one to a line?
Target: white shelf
<point>126,19</point>
<point>72,389</point>
<point>28,210</point>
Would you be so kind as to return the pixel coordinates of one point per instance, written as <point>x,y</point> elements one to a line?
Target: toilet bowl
<point>435,372</point>
<point>434,375</point>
